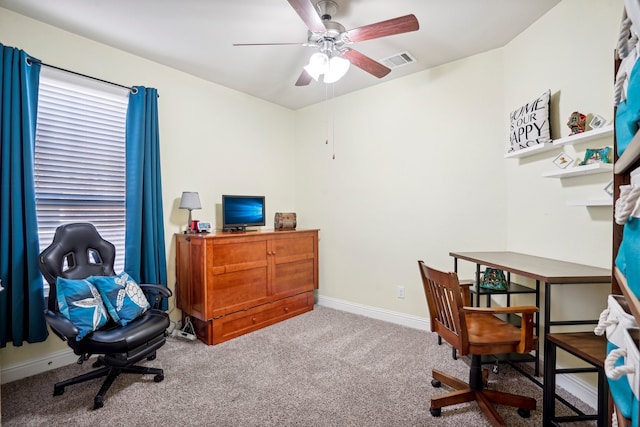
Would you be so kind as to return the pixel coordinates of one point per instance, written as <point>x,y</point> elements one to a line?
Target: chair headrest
<point>76,252</point>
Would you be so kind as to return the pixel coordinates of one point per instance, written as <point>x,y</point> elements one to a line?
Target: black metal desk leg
<point>547,307</point>
<point>549,388</point>
<point>537,328</point>
<point>603,399</point>
<point>478,284</point>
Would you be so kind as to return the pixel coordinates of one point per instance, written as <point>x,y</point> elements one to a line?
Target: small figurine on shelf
<point>577,122</point>
<point>596,155</point>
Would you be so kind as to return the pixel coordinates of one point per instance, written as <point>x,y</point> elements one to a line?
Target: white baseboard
<point>415,322</point>
<point>572,383</point>
<point>36,366</point>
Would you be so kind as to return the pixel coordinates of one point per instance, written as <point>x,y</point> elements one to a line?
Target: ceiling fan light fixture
<point>313,72</point>
<point>319,62</point>
<point>338,67</point>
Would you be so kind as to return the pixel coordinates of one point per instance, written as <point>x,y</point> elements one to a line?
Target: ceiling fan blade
<point>403,24</point>
<point>304,79</point>
<point>367,64</point>
<point>306,11</point>
<point>270,44</point>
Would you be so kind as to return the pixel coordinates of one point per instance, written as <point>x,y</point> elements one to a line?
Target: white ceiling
<point>196,36</point>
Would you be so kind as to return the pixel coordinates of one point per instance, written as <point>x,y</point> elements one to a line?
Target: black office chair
<point>77,252</point>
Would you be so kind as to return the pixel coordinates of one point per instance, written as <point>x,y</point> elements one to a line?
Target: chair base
<point>111,373</point>
<point>485,398</point>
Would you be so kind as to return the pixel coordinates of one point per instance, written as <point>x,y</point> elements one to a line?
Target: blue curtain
<point>145,256</point>
<point>22,301</point>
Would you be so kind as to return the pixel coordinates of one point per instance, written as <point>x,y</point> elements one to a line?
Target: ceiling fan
<point>332,41</point>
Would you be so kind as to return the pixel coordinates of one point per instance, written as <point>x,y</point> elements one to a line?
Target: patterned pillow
<point>530,123</point>
<point>81,303</point>
<point>122,296</point>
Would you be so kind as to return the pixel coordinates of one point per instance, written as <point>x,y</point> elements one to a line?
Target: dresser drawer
<point>242,322</point>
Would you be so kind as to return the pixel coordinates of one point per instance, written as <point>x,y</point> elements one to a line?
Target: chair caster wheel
<point>436,383</point>
<point>152,357</point>
<point>97,364</point>
<point>436,412</point>
<point>524,413</point>
<point>57,391</point>
<point>158,378</point>
<point>98,403</point>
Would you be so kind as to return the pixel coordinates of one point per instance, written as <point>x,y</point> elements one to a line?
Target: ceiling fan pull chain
<point>330,123</point>
<point>326,114</point>
<point>333,125</point>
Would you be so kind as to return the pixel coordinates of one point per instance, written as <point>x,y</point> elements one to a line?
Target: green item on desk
<point>494,280</point>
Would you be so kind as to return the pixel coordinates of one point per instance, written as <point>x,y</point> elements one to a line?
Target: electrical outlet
<point>401,292</point>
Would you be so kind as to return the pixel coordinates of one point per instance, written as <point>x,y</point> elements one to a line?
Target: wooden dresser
<point>231,283</point>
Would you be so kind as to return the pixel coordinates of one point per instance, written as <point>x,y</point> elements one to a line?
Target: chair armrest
<point>465,286</point>
<point>157,292</point>
<point>61,325</point>
<point>527,339</point>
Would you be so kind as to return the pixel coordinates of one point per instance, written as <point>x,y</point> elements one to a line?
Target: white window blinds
<point>80,156</point>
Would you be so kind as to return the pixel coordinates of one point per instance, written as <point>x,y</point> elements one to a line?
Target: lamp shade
<point>190,200</point>
<point>338,67</point>
<point>318,64</point>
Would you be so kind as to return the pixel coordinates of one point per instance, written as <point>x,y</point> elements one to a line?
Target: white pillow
<point>530,123</point>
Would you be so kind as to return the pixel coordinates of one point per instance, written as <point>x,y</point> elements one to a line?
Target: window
<point>80,156</point>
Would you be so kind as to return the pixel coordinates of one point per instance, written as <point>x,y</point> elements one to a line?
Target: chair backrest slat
<point>444,299</point>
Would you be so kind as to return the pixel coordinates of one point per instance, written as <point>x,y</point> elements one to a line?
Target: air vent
<point>398,60</point>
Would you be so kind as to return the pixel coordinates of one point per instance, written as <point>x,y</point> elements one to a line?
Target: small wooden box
<point>285,221</point>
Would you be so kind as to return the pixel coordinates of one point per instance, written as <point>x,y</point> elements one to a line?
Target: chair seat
<point>122,339</point>
<point>486,331</point>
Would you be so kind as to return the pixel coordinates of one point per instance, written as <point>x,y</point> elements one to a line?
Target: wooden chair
<point>476,332</point>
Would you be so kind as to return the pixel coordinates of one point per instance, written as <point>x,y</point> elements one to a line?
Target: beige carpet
<point>323,368</point>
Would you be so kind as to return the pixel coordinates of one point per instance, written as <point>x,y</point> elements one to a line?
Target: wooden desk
<point>549,271</point>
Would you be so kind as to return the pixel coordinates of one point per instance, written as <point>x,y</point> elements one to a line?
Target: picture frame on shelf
<point>609,188</point>
<point>562,160</point>
<point>597,121</point>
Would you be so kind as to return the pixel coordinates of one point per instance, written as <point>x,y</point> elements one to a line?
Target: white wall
<point>570,51</point>
<point>214,140</point>
<point>415,176</point>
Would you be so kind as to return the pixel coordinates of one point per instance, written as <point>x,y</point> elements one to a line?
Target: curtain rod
<point>132,89</point>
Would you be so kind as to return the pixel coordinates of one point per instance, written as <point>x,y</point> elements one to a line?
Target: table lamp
<point>190,200</point>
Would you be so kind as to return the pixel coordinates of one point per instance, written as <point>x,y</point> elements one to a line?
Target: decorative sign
<point>530,123</point>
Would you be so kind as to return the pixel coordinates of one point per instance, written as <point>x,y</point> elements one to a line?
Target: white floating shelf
<point>579,170</point>
<point>572,139</point>
<point>584,136</point>
<point>603,202</point>
<point>530,151</point>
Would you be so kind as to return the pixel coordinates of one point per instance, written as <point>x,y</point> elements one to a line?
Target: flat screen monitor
<point>240,212</point>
